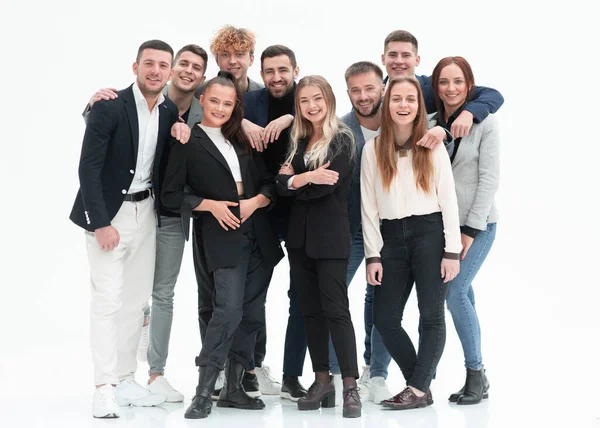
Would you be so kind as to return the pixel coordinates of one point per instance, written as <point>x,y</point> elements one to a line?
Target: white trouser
<point>121,284</point>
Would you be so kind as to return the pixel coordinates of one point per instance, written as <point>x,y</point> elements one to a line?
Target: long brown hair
<point>385,147</point>
<point>232,129</point>
<point>464,65</point>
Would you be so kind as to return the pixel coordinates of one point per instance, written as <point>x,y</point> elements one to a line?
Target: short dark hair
<point>401,36</point>
<point>276,50</point>
<point>363,67</point>
<point>195,49</point>
<point>158,45</point>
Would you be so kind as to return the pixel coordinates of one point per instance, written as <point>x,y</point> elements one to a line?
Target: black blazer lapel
<point>132,116</point>
<point>210,147</point>
<point>298,161</point>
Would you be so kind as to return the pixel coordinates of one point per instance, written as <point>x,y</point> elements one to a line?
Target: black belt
<point>138,196</point>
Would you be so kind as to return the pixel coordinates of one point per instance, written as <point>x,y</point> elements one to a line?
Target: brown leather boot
<point>319,395</point>
<point>405,400</point>
<point>352,405</point>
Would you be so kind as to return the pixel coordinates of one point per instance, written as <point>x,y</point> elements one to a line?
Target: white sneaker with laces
<point>339,389</point>
<point>161,385</point>
<point>218,385</point>
<point>266,383</point>
<point>378,390</point>
<point>363,381</point>
<point>105,405</point>
<point>142,350</point>
<point>130,393</point>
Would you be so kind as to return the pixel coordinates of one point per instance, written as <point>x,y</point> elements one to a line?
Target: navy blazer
<point>109,154</point>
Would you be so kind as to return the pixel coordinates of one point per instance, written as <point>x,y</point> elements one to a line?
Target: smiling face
<point>218,102</point>
<point>312,104</point>
<point>188,72</point>
<point>278,75</point>
<point>366,91</point>
<point>452,87</point>
<point>236,62</point>
<point>153,71</point>
<point>400,59</point>
<point>404,103</point>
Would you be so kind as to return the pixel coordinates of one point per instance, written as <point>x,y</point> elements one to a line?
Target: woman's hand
<point>449,269</point>
<point>374,273</point>
<point>467,241</point>
<point>220,210</point>
<point>322,175</point>
<point>247,208</point>
<point>286,169</point>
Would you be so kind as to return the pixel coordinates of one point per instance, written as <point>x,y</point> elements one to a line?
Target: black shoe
<point>476,387</point>
<point>233,393</point>
<point>215,394</point>
<point>292,389</point>
<point>201,405</point>
<point>250,384</point>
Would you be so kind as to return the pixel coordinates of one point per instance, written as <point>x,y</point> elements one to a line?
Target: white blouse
<point>226,149</point>
<point>404,199</point>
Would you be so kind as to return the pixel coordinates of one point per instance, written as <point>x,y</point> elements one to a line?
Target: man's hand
<point>433,137</point>
<point>274,128</point>
<point>374,273</point>
<point>181,132</point>
<point>286,169</point>
<point>254,134</point>
<point>103,94</point>
<point>462,124</point>
<point>108,238</point>
<point>247,208</point>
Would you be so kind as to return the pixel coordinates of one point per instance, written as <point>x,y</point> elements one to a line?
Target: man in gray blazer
<point>188,73</point>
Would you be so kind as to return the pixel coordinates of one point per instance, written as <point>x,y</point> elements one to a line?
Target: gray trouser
<point>170,243</point>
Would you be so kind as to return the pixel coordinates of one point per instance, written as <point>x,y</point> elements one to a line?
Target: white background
<point>537,294</point>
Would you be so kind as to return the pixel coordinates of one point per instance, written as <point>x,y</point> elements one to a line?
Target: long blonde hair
<point>303,128</point>
<point>385,150</point>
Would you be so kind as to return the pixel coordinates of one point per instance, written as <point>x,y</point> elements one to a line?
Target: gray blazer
<point>196,110</point>
<point>476,169</point>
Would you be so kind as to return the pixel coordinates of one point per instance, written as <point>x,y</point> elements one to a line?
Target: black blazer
<point>319,217</point>
<point>109,154</point>
<point>200,165</point>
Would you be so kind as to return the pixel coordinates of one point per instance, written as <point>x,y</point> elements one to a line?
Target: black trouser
<point>321,287</point>
<point>412,252</point>
<point>238,302</point>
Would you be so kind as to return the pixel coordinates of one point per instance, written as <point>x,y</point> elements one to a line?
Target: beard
<point>371,112</point>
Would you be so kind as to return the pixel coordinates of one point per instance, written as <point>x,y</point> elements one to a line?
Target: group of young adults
<point>252,167</point>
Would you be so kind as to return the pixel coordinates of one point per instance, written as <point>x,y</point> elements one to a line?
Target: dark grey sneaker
<point>292,389</point>
<point>250,384</point>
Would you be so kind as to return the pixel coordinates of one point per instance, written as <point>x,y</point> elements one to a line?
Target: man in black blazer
<point>269,113</point>
<point>119,170</point>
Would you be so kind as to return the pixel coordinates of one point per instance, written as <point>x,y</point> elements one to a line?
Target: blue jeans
<point>461,299</point>
<point>376,355</point>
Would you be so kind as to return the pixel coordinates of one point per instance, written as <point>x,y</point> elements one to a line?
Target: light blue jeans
<point>461,299</point>
<point>376,355</point>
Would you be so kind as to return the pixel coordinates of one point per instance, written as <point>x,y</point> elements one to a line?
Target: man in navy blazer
<point>116,207</point>
<point>269,113</point>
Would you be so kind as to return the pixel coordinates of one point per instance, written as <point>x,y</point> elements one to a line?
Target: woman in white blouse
<point>412,236</point>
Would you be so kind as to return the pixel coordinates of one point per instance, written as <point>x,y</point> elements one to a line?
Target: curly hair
<point>240,39</point>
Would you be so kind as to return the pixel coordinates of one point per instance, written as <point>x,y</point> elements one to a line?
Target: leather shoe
<point>318,395</point>
<point>405,400</point>
<point>352,405</point>
<point>201,404</point>
<point>233,393</point>
<point>476,387</point>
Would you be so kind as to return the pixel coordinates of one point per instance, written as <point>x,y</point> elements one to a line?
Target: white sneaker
<point>266,383</point>
<point>130,393</point>
<point>105,405</point>
<point>339,389</point>
<point>161,385</point>
<point>378,390</point>
<point>142,350</point>
<point>363,381</point>
<point>218,385</point>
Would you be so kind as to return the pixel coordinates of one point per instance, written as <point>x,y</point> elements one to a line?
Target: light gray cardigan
<point>476,169</point>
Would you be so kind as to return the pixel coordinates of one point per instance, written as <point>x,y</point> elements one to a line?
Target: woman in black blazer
<point>318,172</point>
<point>215,179</point>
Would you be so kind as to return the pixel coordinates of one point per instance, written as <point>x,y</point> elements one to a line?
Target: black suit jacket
<point>109,154</point>
<point>319,218</point>
<point>200,165</point>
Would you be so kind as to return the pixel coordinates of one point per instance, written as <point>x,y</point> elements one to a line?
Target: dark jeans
<point>238,301</point>
<point>321,286</point>
<point>412,252</point>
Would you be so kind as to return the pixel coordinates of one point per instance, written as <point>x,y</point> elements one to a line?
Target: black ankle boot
<point>476,387</point>
<point>201,404</point>
<point>233,394</point>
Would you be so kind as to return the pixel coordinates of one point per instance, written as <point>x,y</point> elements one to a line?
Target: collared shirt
<point>148,136</point>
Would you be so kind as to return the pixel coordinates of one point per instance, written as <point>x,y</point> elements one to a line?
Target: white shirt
<point>226,149</point>
<point>368,134</point>
<point>148,136</point>
<point>404,199</point>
